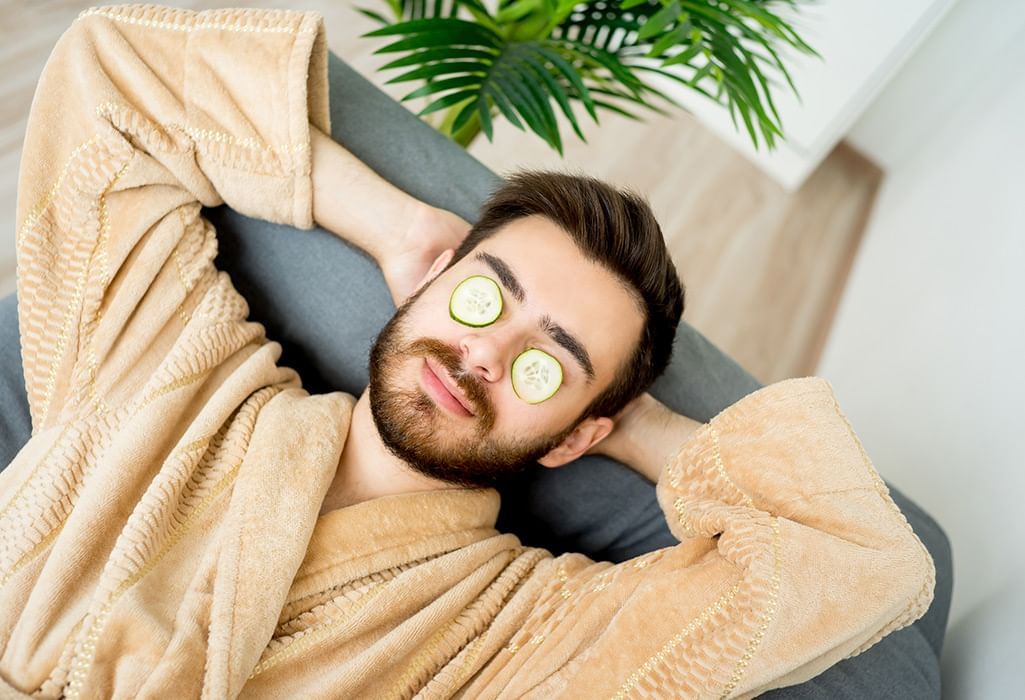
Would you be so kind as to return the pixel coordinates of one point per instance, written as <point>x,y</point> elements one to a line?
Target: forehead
<point>577,293</point>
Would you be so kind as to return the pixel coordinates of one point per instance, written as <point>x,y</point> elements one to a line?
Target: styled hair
<point>615,228</point>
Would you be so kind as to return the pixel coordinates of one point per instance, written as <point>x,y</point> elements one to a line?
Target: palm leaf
<point>435,69</point>
<point>732,41</point>
<point>438,54</point>
<point>659,21</point>
<point>611,106</point>
<point>484,110</point>
<point>461,81</point>
<point>504,105</point>
<point>431,25</point>
<point>377,17</point>
<point>541,102</point>
<point>557,90</point>
<point>526,53</point>
<point>447,101</point>
<point>549,50</point>
<point>520,78</point>
<point>595,62</point>
<point>465,114</point>
<point>521,99</point>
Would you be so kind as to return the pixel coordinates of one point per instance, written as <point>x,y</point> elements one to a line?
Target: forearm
<point>649,436</point>
<point>354,202</point>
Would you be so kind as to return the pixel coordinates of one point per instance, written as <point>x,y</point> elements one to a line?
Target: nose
<point>484,355</point>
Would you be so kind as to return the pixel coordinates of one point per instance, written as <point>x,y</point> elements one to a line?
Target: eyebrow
<point>557,333</point>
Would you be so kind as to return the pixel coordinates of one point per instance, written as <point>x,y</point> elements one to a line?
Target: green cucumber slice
<point>476,301</point>
<point>536,375</point>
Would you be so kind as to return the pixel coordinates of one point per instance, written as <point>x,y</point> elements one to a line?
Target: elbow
<point>908,574</point>
<point>921,578</point>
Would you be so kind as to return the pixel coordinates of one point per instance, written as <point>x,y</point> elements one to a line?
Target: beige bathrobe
<point>160,533</point>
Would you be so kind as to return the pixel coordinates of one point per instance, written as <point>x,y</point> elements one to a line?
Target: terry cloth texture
<point>161,532</point>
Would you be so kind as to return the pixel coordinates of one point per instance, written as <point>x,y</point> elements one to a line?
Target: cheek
<point>429,318</point>
<point>434,311</point>
<point>517,417</point>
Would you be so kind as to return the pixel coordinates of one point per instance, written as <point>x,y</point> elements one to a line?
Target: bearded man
<point>187,521</point>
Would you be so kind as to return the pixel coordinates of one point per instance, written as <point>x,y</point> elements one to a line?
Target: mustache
<point>452,361</point>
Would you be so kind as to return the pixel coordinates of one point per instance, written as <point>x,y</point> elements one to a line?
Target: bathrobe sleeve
<point>792,557</point>
<point>154,522</point>
<point>142,115</point>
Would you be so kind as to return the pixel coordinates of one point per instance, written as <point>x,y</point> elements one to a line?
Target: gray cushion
<point>15,422</point>
<point>325,301</point>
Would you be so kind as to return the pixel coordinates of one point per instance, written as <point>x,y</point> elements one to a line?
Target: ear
<point>588,433</point>
<point>436,267</point>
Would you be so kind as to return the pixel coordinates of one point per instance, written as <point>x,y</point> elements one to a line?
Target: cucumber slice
<point>536,375</point>
<point>476,301</point>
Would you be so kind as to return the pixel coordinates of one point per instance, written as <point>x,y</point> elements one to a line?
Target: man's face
<point>441,392</point>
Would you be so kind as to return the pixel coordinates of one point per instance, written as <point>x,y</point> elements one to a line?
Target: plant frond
<point>522,54</point>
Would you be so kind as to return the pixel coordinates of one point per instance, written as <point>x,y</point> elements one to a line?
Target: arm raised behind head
<point>402,233</point>
<point>647,434</point>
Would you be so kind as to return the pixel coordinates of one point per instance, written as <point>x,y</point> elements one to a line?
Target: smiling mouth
<point>440,384</point>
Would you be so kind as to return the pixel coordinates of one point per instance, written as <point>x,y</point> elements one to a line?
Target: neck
<point>367,469</point>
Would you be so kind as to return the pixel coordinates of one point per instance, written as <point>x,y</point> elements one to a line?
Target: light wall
<point>928,347</point>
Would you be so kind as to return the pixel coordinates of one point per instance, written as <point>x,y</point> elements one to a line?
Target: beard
<point>421,434</point>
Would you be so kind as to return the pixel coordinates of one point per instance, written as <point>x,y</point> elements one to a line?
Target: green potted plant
<point>513,62</point>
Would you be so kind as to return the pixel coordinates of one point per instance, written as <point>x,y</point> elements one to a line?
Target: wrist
<point>418,230</point>
<point>630,425</point>
<point>656,435</point>
<point>353,202</point>
<point>427,232</point>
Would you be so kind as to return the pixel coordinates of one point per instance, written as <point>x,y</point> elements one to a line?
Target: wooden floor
<point>764,269</point>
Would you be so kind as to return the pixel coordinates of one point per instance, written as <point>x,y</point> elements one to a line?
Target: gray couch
<point>325,301</point>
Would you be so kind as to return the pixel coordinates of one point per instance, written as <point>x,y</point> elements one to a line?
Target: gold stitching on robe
<point>47,199</point>
<point>84,659</point>
<point>679,506</point>
<point>881,488</point>
<point>472,653</point>
<point>563,577</point>
<point>768,616</point>
<point>108,110</point>
<point>30,554</point>
<point>316,634</point>
<point>185,317</point>
<point>62,340</point>
<point>603,581</point>
<point>101,253</point>
<point>168,388</point>
<point>39,546</point>
<point>427,650</point>
<point>722,470</point>
<point>515,572</point>
<point>73,303</point>
<point>416,667</point>
<point>190,26</point>
<point>251,143</point>
<point>646,559</point>
<point>94,394</point>
<point>35,469</point>
<point>668,647</point>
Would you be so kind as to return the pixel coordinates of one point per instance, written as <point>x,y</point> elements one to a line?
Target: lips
<point>449,385</point>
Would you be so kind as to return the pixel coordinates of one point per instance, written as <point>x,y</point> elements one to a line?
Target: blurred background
<point>881,246</point>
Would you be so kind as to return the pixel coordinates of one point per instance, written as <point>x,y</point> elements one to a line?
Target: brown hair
<point>615,228</point>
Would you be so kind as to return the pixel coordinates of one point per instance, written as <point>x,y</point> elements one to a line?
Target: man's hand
<point>627,423</point>
<point>430,232</point>
<point>403,234</point>
<point>646,435</point>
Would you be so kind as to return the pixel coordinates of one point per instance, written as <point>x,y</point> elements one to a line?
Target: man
<point>443,407</point>
<point>186,520</point>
